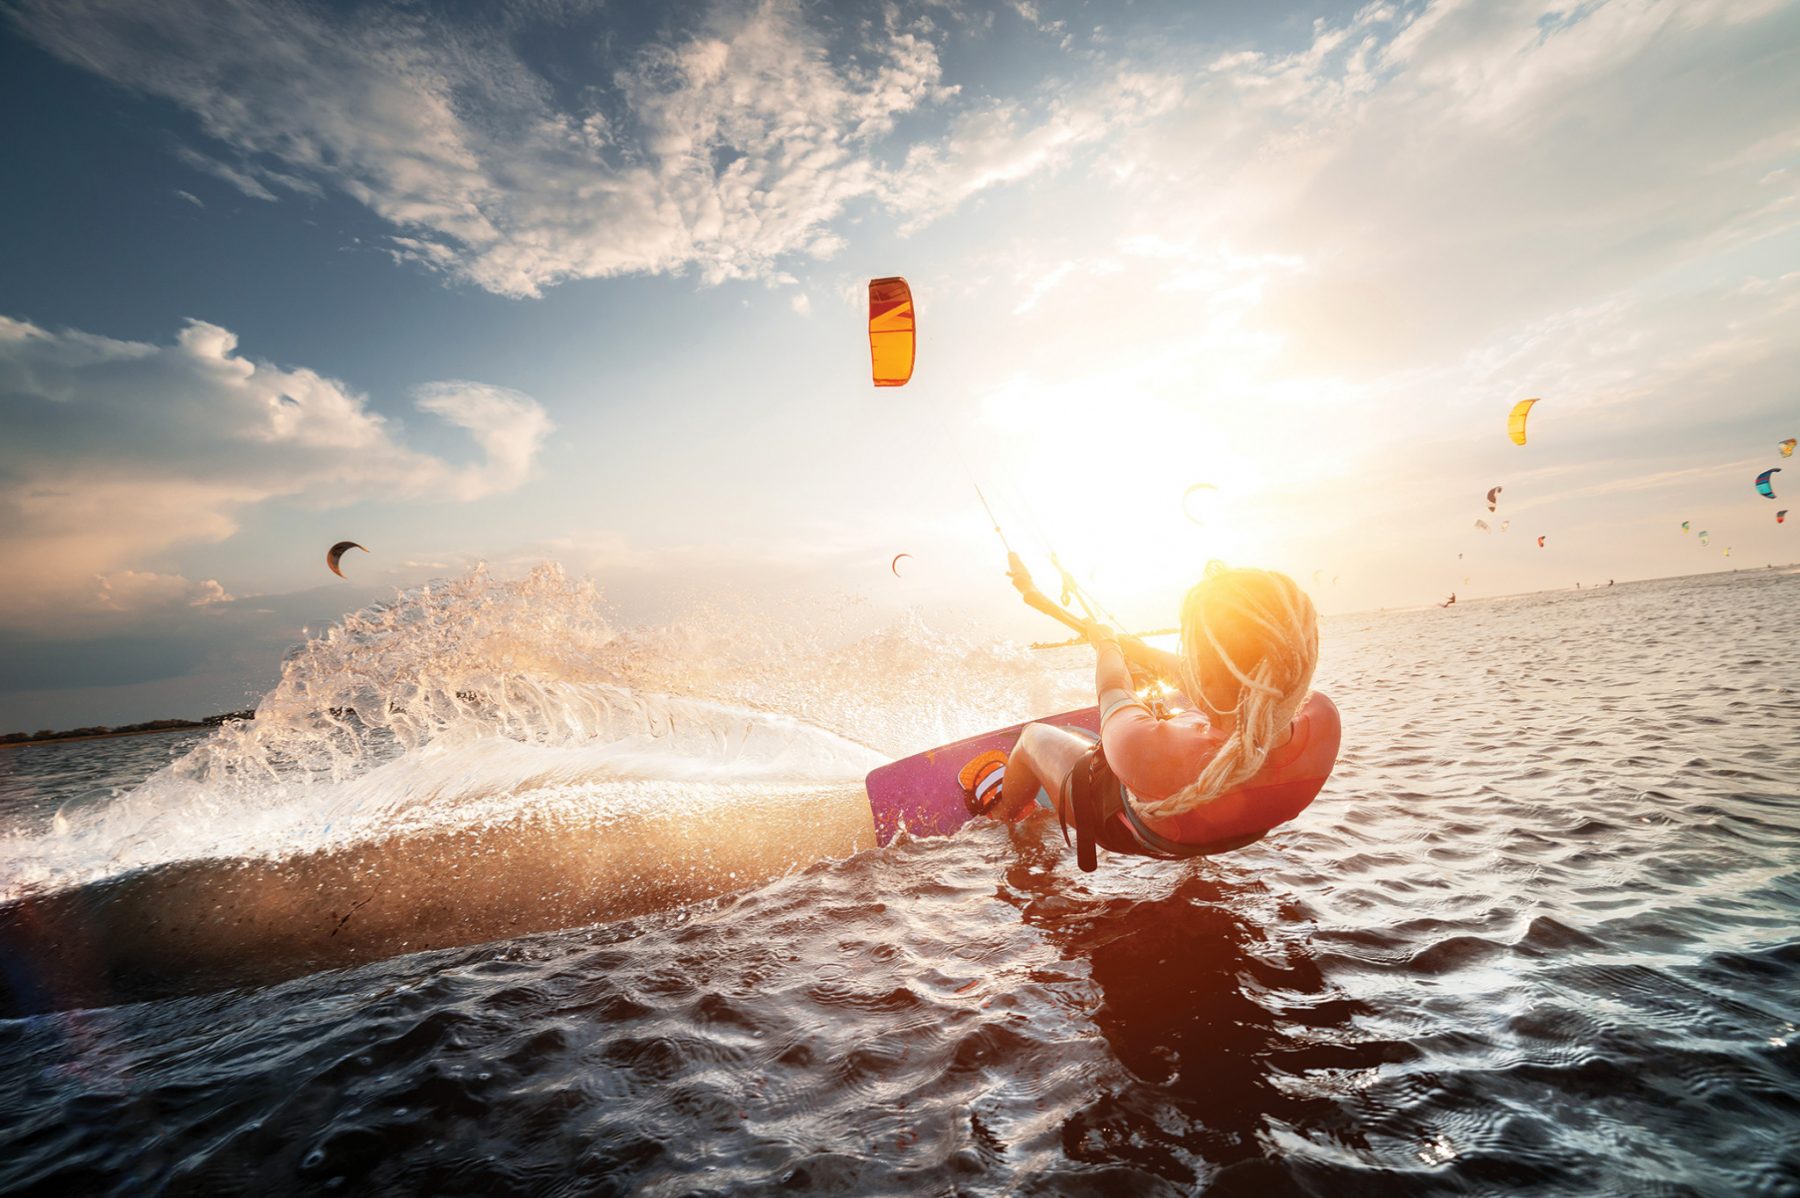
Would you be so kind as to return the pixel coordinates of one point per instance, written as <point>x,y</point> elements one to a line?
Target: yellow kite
<point>1515,423</point>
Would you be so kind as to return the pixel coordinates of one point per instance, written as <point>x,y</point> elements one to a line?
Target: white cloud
<point>136,590</point>
<point>720,148</point>
<point>1340,266</point>
<point>1451,146</point>
<point>1446,174</point>
<point>225,173</point>
<point>1005,141</point>
<point>1409,217</point>
<point>252,179</point>
<point>116,450</point>
<point>730,141</point>
<point>509,428</point>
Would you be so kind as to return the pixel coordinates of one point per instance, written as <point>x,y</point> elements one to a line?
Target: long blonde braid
<point>1258,629</point>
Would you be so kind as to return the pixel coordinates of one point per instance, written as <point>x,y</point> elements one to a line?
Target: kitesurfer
<point>1254,754</point>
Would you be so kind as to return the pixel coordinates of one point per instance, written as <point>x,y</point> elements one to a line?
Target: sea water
<point>1540,934</point>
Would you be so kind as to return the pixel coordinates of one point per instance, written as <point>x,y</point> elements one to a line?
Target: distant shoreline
<point>17,740</point>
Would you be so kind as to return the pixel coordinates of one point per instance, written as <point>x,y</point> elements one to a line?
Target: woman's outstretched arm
<point>1112,675</point>
<point>1161,662</point>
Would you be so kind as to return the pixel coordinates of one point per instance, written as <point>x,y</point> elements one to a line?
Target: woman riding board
<point>1255,752</point>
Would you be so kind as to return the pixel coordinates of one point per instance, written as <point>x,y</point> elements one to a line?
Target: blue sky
<point>583,283</point>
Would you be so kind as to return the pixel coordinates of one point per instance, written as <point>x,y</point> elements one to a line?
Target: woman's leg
<point>1043,757</point>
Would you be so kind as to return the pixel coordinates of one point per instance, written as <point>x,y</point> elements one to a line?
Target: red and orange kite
<point>891,331</point>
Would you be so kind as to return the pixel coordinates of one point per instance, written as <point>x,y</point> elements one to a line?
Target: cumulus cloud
<point>1006,141</point>
<point>116,450</point>
<point>1357,253</point>
<point>1431,178</point>
<point>739,133</point>
<point>719,147</point>
<point>729,141</point>
<point>1442,205</point>
<point>508,426</point>
<point>1422,207</point>
<point>134,590</point>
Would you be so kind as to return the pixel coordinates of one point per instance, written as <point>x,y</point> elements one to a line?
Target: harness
<point>1096,798</point>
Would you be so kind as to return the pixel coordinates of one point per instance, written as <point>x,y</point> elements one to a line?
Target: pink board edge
<point>922,791</point>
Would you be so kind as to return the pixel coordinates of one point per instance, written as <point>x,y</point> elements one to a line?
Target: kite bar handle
<point>1142,673</point>
<point>1021,580</point>
<point>1036,598</point>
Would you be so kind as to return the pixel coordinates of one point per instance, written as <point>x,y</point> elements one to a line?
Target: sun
<point>1107,497</point>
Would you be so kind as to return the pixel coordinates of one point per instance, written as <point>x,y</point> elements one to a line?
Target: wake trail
<point>468,703</point>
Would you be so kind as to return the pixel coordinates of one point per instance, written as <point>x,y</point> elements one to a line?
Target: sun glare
<point>1108,498</point>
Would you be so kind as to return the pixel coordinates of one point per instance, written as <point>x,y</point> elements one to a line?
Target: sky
<point>586,283</point>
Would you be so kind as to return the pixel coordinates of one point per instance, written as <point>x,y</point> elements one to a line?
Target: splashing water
<point>465,702</point>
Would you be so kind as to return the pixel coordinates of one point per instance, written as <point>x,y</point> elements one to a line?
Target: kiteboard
<point>938,791</point>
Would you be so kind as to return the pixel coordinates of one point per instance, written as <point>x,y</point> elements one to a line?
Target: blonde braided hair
<point>1257,630</point>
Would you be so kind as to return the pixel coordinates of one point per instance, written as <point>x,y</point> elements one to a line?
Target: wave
<point>468,701</point>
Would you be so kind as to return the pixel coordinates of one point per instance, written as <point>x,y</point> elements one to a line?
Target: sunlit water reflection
<point>1541,934</point>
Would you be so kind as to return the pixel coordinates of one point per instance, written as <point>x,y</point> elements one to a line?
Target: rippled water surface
<point>1541,934</point>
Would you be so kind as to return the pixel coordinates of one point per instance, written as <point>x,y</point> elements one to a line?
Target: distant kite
<point>1727,551</point>
<point>1493,496</point>
<point>1482,525</point>
<point>1540,542</point>
<point>1684,526</point>
<point>895,564</point>
<point>337,551</point>
<point>1515,422</point>
<point>1196,501</point>
<point>1505,524</point>
<point>1703,536</point>
<point>1762,482</point>
<point>892,332</point>
<point>1781,516</point>
<point>1787,448</point>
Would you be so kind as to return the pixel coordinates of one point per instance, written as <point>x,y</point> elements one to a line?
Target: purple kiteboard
<point>938,791</point>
